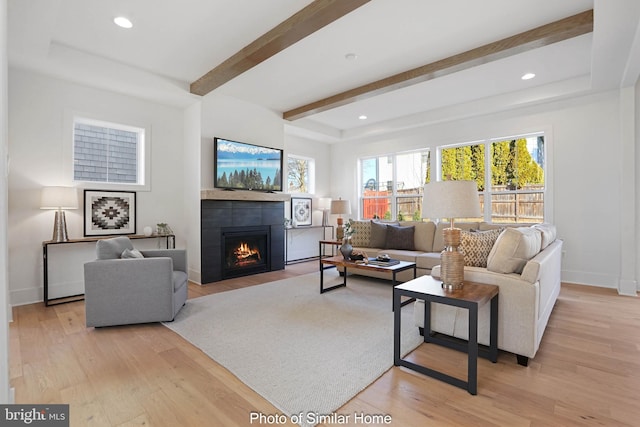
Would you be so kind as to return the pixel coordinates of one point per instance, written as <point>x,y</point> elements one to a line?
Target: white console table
<point>301,243</point>
<point>169,243</point>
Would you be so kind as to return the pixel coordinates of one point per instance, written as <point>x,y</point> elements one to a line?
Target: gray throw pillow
<point>378,234</point>
<point>400,238</point>
<point>131,253</point>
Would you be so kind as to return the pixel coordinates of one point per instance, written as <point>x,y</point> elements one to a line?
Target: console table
<point>300,242</point>
<point>169,239</point>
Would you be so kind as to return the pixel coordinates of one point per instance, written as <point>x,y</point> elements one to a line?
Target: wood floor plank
<point>587,371</point>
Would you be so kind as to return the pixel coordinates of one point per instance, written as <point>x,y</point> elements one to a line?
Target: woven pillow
<point>400,238</point>
<point>362,234</point>
<point>476,246</point>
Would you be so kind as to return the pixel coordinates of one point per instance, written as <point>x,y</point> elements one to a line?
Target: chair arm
<point>178,256</point>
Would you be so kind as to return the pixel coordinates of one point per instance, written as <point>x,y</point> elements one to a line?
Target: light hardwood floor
<point>586,373</point>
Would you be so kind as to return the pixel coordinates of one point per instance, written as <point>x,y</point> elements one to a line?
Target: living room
<point>592,139</point>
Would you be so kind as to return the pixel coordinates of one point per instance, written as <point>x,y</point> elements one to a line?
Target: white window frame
<point>488,192</point>
<point>311,173</point>
<point>115,122</point>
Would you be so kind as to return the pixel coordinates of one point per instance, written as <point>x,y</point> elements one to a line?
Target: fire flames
<point>246,255</point>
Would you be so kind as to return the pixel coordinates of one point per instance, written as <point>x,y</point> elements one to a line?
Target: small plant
<point>349,229</point>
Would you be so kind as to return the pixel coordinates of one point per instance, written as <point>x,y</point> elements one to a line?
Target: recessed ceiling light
<point>123,22</point>
<point>350,56</point>
<point>528,76</point>
<point>362,117</point>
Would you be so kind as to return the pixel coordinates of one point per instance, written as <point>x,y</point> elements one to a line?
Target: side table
<point>321,244</point>
<point>471,296</point>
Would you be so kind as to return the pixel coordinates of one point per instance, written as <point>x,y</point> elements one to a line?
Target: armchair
<point>135,290</point>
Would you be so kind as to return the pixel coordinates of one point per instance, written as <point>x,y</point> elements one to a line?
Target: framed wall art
<point>301,211</point>
<point>109,212</point>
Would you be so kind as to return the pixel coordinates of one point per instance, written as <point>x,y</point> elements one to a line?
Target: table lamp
<point>340,207</point>
<point>59,198</point>
<point>451,199</point>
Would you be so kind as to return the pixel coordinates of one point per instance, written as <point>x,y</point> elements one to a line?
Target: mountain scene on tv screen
<point>245,166</point>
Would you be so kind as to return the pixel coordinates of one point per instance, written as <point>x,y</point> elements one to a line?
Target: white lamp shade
<point>324,203</point>
<point>59,198</point>
<point>340,207</point>
<point>450,199</point>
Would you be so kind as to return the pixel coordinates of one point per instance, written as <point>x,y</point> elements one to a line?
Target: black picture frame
<point>108,213</point>
<point>301,211</point>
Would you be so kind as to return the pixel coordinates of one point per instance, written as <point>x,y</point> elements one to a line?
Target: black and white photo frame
<point>109,213</point>
<point>301,212</point>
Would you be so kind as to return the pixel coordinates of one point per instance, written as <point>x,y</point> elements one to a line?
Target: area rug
<point>305,352</point>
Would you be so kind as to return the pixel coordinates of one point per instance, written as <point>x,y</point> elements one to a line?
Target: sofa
<point>524,261</point>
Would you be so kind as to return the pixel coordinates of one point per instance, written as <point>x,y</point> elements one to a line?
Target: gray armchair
<point>134,290</point>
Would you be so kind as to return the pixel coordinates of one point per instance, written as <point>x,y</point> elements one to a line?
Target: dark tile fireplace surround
<point>230,221</point>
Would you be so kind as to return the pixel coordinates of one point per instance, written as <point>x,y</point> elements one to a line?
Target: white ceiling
<point>174,43</point>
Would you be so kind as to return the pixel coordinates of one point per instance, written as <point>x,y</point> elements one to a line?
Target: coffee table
<point>339,261</point>
<point>471,296</point>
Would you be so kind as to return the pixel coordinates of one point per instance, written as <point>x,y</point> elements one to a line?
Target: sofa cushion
<point>379,233</point>
<point>131,253</point>
<point>362,235</point>
<point>513,248</point>
<point>548,232</point>
<point>438,239</point>
<point>400,237</point>
<point>423,235</point>
<point>428,260</point>
<point>476,246</point>
<point>112,248</point>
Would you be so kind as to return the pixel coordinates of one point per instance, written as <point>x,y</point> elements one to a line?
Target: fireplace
<point>245,251</point>
<point>240,222</point>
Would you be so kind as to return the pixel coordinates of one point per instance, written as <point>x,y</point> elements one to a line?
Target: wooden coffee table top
<point>340,261</point>
<point>471,291</point>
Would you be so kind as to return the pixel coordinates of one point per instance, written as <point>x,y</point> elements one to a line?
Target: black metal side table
<point>471,296</point>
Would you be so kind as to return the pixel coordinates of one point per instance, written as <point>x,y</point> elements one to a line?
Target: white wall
<point>39,110</point>
<point>321,153</point>
<point>192,166</point>
<point>4,288</point>
<point>583,175</point>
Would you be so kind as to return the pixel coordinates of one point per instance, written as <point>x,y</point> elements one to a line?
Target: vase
<point>346,249</point>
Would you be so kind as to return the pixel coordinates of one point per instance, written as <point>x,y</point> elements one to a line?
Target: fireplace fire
<point>245,251</point>
<point>245,255</point>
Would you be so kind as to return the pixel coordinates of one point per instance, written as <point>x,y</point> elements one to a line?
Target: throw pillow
<point>400,238</point>
<point>131,253</point>
<point>362,233</point>
<point>379,233</point>
<point>513,248</point>
<point>476,246</point>
<point>548,232</point>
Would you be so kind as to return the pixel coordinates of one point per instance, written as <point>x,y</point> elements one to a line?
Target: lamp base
<point>452,261</point>
<point>60,228</point>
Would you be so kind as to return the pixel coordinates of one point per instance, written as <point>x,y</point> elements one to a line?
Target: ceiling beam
<point>305,22</point>
<point>563,29</point>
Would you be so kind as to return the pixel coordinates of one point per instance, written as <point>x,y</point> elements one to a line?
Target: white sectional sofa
<point>525,262</point>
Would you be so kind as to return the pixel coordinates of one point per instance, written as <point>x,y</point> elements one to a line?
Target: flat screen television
<point>242,166</point>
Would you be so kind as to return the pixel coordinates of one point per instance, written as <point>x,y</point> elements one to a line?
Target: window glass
<point>107,152</point>
<point>301,174</point>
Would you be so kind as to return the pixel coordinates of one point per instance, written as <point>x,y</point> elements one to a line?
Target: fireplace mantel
<point>259,196</point>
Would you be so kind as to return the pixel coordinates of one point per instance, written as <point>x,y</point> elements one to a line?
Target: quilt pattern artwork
<point>109,212</point>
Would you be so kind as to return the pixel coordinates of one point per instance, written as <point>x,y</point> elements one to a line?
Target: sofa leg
<point>522,360</point>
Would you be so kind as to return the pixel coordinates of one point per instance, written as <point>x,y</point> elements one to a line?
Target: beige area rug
<point>303,351</point>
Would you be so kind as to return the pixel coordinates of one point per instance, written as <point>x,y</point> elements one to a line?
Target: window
<point>301,174</point>
<point>509,172</point>
<point>392,185</point>
<point>108,152</point>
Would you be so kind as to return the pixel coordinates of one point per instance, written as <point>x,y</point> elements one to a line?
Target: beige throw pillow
<point>476,246</point>
<point>362,235</point>
<point>513,248</point>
